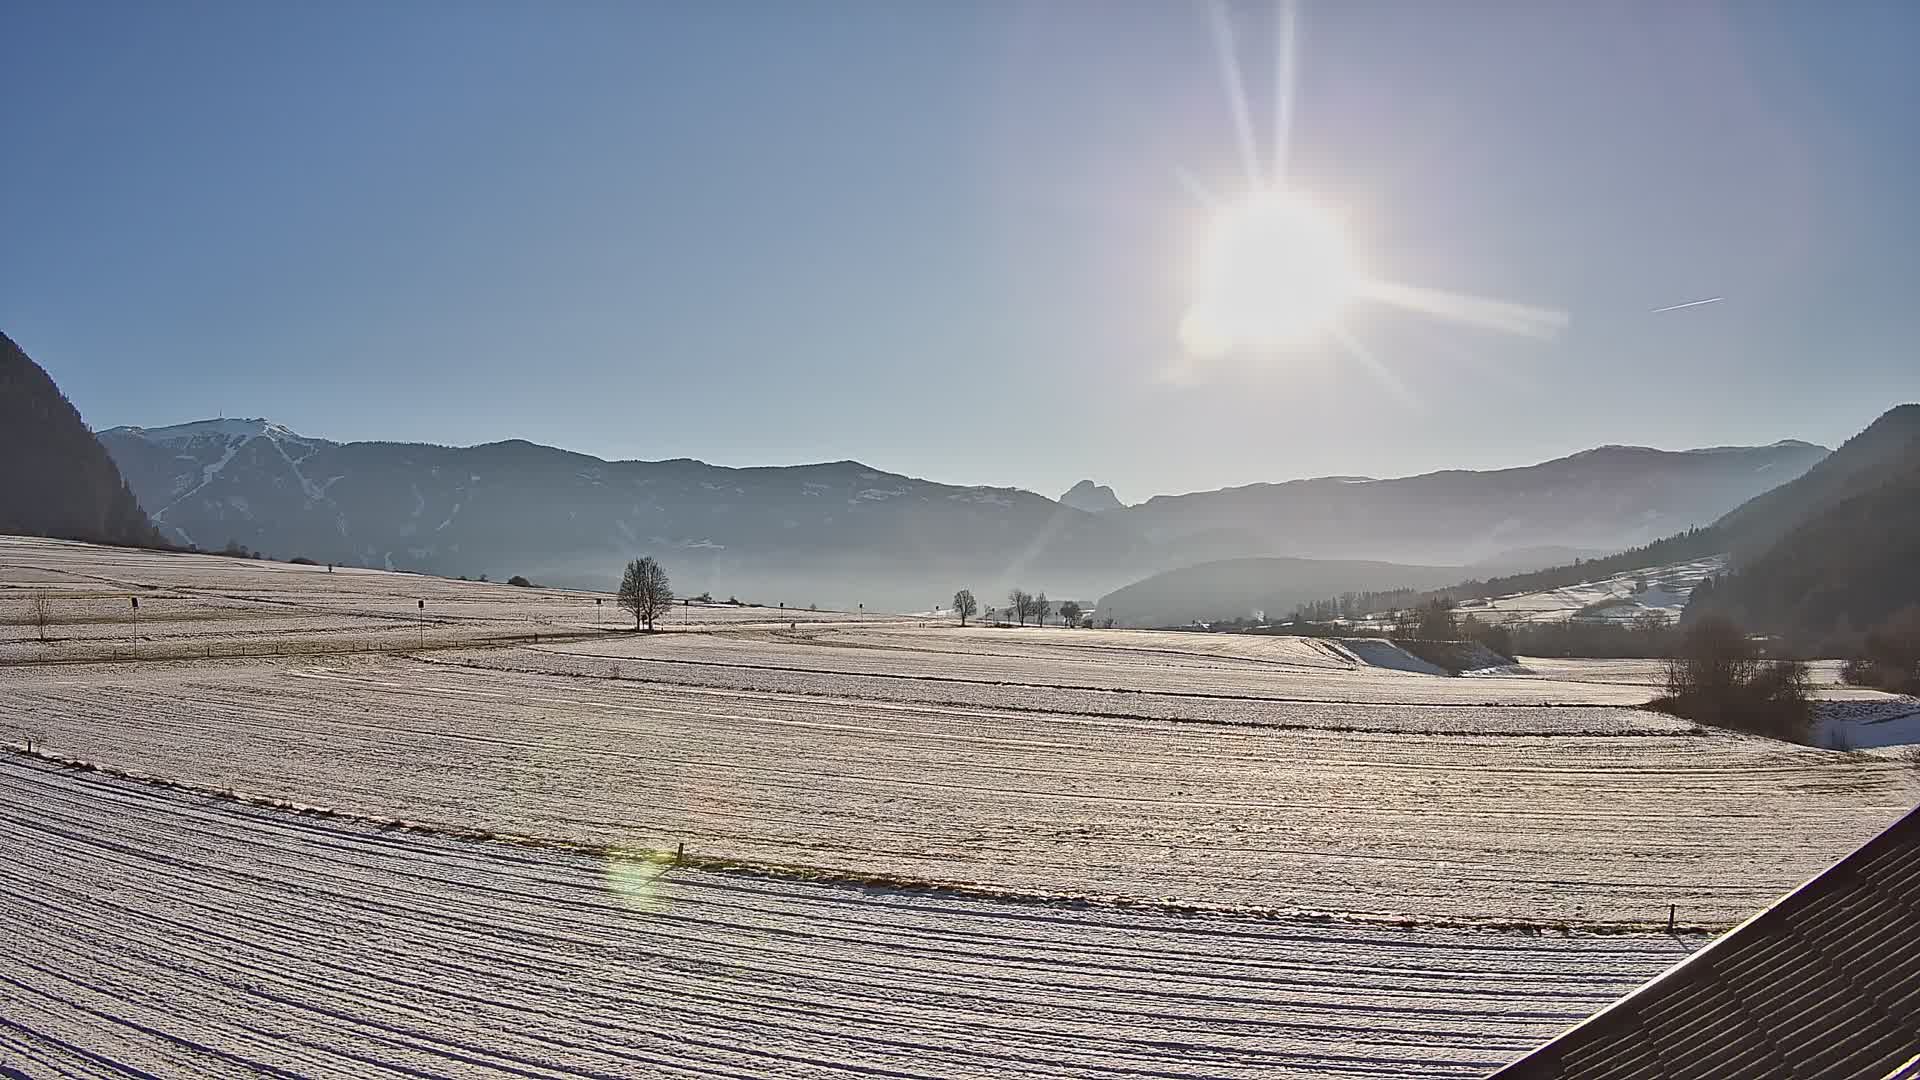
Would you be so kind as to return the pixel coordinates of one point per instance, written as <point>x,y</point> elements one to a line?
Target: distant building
<point>1823,985</point>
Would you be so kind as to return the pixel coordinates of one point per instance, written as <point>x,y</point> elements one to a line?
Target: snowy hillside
<point>201,453</point>
<point>1623,597</point>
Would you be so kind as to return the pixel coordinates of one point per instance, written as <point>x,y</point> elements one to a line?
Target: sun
<point>1273,270</point>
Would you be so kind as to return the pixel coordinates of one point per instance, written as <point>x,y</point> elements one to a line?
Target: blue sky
<point>948,239</point>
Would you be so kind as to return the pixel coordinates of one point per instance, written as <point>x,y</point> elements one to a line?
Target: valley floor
<point>912,849</point>
<point>156,932</point>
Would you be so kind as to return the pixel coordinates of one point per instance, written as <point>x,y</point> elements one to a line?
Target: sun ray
<point>1236,90</point>
<point>1381,372</point>
<point>1508,318</point>
<point>1283,83</point>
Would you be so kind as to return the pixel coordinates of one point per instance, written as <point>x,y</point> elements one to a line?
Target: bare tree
<point>1714,661</point>
<point>41,612</point>
<point>1041,609</point>
<point>1892,653</point>
<point>1021,604</point>
<point>645,591</point>
<point>1716,676</point>
<point>965,606</point>
<point>1070,612</point>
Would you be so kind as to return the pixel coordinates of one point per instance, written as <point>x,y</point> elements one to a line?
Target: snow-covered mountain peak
<point>224,429</point>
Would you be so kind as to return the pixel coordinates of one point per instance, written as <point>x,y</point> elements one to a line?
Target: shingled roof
<point>1823,985</point>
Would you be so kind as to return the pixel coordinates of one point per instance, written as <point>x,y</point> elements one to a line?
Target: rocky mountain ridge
<point>845,532</point>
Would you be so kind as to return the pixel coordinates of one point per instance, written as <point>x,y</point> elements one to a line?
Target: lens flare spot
<point>635,877</point>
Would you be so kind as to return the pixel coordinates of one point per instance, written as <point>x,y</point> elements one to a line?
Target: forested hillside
<point>1834,554</point>
<point>55,477</point>
<point>1887,448</point>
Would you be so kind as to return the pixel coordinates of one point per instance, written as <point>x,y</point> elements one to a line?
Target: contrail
<point>1688,304</point>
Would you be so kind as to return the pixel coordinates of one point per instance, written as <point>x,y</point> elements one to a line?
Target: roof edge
<point>1886,837</point>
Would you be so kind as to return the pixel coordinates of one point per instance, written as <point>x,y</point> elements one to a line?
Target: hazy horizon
<point>956,246</point>
<point>1054,493</point>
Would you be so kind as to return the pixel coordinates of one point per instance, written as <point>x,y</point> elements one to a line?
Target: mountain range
<point>842,533</point>
<point>1610,498</point>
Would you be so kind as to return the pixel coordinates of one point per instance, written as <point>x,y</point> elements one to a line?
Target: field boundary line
<point>1693,732</point>
<point>175,651</point>
<point>1105,689</point>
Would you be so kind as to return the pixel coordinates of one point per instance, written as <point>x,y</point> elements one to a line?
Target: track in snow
<point>1523,827</point>
<point>153,932</point>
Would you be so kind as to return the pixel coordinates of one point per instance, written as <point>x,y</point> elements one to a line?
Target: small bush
<point>1495,637</point>
<point>302,560</point>
<point>520,581</point>
<point>1859,671</point>
<point>1891,659</point>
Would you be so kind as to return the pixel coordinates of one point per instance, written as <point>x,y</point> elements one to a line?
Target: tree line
<point>1021,605</point>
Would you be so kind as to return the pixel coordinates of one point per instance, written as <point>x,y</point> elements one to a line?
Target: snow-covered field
<point>1168,855</point>
<point>1054,659</point>
<point>1497,813</point>
<point>1888,720</point>
<point>213,606</point>
<point>158,933</point>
